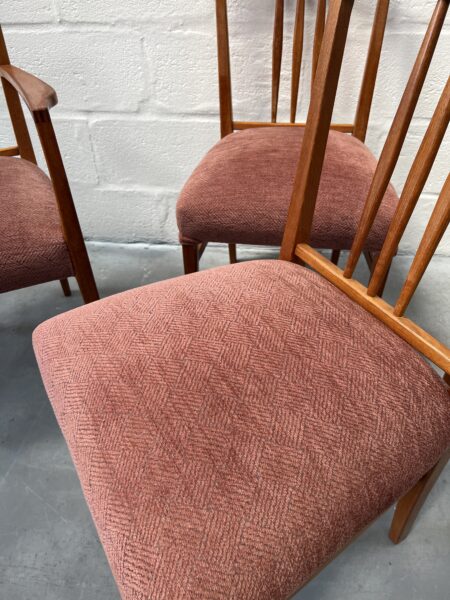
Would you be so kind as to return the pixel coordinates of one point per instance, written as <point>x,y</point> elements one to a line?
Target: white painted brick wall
<point>138,107</point>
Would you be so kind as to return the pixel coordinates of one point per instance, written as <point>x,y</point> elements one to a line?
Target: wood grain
<point>371,70</point>
<point>437,226</point>
<point>414,185</point>
<point>307,179</point>
<point>394,143</point>
<point>405,328</point>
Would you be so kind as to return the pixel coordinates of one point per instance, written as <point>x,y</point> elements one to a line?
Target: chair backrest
<point>24,147</point>
<point>297,233</point>
<point>359,127</point>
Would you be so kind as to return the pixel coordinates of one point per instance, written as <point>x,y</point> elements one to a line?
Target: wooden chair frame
<point>296,248</point>
<point>191,252</point>
<point>40,98</point>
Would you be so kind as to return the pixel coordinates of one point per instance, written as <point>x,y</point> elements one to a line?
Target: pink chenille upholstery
<point>32,247</point>
<point>233,429</point>
<point>241,190</point>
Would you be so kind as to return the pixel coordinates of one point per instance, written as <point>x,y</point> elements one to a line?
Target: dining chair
<point>235,429</point>
<point>240,191</point>
<point>40,236</point>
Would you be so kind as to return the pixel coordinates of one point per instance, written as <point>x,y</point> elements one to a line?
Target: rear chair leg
<point>65,287</point>
<point>409,506</point>
<point>335,256</point>
<point>190,258</point>
<point>232,253</point>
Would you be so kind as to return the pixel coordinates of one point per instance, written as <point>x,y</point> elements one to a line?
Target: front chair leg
<point>409,506</point>
<point>190,258</point>
<point>233,254</point>
<point>65,287</point>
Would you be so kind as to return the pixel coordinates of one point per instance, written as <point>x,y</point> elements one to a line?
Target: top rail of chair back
<point>298,228</point>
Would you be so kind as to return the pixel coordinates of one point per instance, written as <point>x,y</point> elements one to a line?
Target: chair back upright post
<point>24,146</point>
<point>298,229</point>
<point>359,127</point>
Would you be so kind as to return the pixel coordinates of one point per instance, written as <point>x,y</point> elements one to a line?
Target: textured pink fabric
<point>32,248</point>
<point>234,428</point>
<point>241,190</point>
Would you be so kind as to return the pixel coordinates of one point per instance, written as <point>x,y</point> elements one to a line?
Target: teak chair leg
<point>190,258</point>
<point>66,287</point>
<point>233,254</point>
<point>409,506</point>
<point>335,256</point>
<point>86,281</point>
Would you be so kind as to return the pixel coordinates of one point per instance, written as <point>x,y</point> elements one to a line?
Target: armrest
<point>36,94</point>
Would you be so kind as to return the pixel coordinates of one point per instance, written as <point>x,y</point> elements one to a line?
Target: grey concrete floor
<point>48,545</point>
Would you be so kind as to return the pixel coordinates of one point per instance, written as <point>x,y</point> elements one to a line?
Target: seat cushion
<point>241,190</point>
<point>235,428</point>
<point>32,247</point>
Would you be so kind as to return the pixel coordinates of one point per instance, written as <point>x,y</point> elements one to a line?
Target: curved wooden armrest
<point>36,94</point>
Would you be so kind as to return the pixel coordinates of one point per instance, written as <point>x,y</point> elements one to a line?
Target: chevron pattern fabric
<point>241,190</point>
<point>235,428</point>
<point>32,247</point>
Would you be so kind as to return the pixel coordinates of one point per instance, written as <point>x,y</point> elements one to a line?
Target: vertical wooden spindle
<point>436,228</point>
<point>414,185</point>
<point>277,55</point>
<point>394,143</point>
<point>297,55</point>
<point>318,36</point>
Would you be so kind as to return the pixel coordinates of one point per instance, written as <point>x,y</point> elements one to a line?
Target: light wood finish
<point>297,56</point>
<point>397,134</point>
<point>277,56</point>
<point>307,179</point>
<point>409,506</point>
<point>39,97</point>
<point>15,109</point>
<point>436,228</point>
<point>240,125</point>
<point>405,328</point>
<point>223,54</point>
<point>371,70</point>
<point>11,151</point>
<point>414,185</point>
<point>318,37</point>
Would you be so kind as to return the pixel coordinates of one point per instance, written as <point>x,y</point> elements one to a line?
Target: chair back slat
<point>437,225</point>
<point>297,56</point>
<point>223,55</point>
<point>296,245</point>
<point>15,110</point>
<point>412,190</point>
<point>277,56</point>
<point>307,179</point>
<point>318,36</point>
<point>371,70</point>
<point>396,137</point>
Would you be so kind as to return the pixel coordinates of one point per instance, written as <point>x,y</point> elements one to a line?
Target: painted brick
<point>150,153</point>
<point>91,71</point>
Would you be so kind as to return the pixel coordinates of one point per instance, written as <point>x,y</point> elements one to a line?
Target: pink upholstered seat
<point>235,428</point>
<point>32,247</point>
<point>241,190</point>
